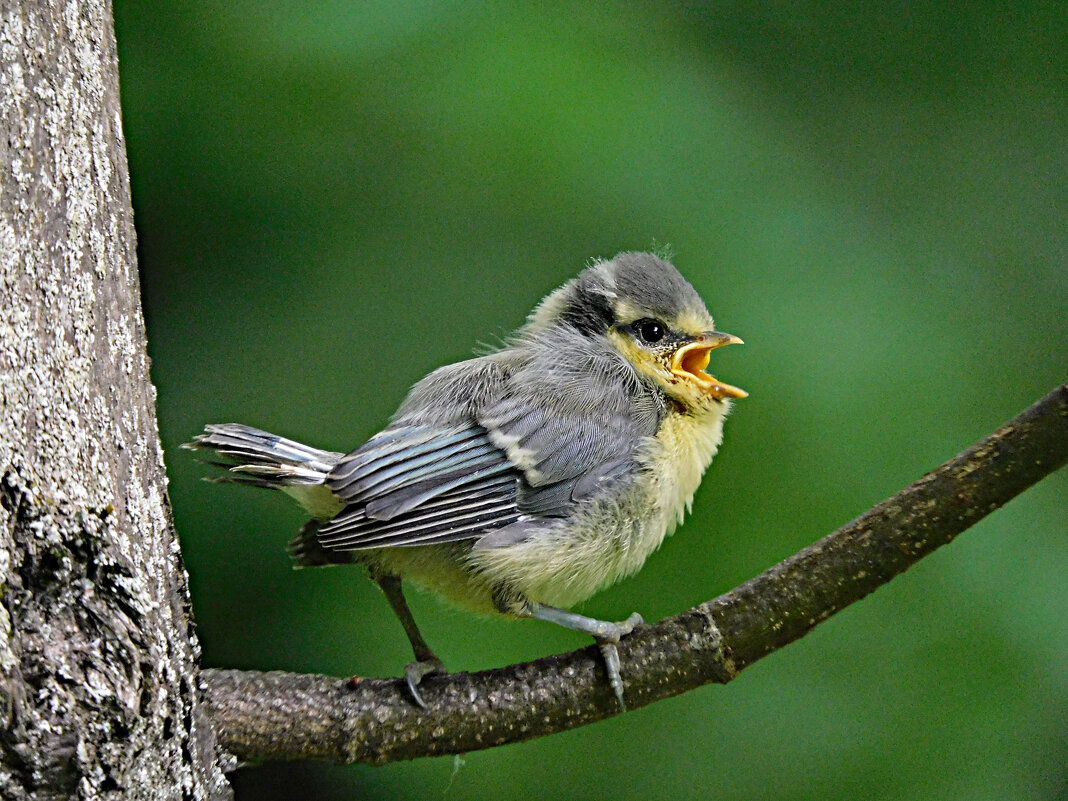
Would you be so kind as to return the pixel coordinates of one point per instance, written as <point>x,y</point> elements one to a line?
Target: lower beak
<point>690,361</point>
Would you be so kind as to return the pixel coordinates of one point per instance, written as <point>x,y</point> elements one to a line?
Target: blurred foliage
<point>334,198</point>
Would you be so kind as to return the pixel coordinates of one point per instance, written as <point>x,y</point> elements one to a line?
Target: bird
<point>521,481</point>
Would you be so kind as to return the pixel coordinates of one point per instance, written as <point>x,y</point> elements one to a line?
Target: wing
<point>563,455</point>
<point>530,440</point>
<point>571,421</point>
<point>419,485</point>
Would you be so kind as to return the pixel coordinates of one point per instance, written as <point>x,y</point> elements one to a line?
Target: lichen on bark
<point>98,661</point>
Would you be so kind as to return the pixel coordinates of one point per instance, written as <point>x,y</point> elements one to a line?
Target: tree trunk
<point>98,657</point>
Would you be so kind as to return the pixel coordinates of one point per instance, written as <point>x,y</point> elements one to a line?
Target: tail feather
<point>306,551</point>
<point>262,459</point>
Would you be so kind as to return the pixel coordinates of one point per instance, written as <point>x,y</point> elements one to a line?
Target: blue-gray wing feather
<point>565,426</point>
<point>413,485</point>
<point>559,450</point>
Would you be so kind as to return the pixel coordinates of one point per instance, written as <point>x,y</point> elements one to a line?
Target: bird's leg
<point>606,633</point>
<point>426,661</point>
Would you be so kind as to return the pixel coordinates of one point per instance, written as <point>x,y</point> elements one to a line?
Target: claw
<point>611,666</point>
<point>415,672</point>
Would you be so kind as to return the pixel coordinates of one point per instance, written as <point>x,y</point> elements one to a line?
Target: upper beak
<point>691,360</point>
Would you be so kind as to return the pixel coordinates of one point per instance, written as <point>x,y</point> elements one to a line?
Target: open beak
<point>690,361</point>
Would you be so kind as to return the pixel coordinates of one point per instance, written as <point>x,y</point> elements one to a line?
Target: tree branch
<point>277,715</point>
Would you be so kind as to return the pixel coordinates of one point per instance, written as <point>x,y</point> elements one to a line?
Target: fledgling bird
<point>523,481</point>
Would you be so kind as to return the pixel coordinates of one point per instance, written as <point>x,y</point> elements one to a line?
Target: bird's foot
<point>607,638</point>
<point>415,672</point>
<point>605,632</point>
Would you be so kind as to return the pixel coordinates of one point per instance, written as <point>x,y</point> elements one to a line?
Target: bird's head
<point>652,316</point>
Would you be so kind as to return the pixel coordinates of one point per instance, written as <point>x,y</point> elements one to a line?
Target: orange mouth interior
<point>690,362</point>
<point>694,360</point>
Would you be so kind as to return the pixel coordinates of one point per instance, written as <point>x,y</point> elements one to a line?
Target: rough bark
<point>98,658</point>
<point>280,715</point>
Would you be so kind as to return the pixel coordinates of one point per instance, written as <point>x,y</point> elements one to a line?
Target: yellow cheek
<point>685,392</point>
<point>644,362</point>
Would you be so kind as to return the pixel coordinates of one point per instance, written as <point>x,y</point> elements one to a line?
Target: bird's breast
<point>676,459</point>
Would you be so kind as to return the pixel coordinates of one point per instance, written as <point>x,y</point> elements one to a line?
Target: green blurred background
<point>334,198</point>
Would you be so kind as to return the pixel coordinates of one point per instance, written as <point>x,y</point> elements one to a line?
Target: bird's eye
<point>651,330</point>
